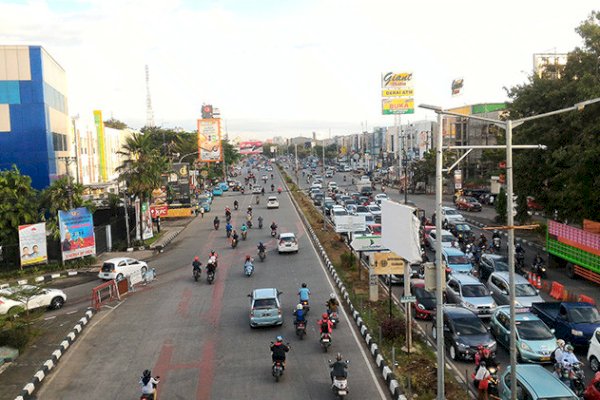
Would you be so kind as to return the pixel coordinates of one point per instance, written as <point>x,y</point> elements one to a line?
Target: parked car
<point>535,341</point>
<point>265,307</point>
<point>121,267</point>
<point>464,333</point>
<point>425,304</point>
<point>287,243</point>
<point>272,202</point>
<point>467,203</point>
<point>467,291</point>
<point>534,382</point>
<point>573,322</point>
<point>489,263</point>
<point>450,214</point>
<point>447,239</point>
<point>525,293</point>
<point>16,298</point>
<point>593,355</point>
<point>456,260</point>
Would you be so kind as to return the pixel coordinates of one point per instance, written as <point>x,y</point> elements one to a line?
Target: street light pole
<point>439,315</point>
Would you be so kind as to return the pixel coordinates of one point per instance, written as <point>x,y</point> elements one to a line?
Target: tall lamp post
<point>508,125</point>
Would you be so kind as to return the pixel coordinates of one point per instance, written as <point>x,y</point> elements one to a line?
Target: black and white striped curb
<point>165,240</point>
<point>518,239</point>
<point>384,369</point>
<point>43,278</point>
<point>38,377</point>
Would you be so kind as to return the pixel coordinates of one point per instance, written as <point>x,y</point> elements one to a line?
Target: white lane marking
<point>350,322</point>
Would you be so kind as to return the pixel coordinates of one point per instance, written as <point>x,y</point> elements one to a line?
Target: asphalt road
<point>427,202</point>
<point>197,337</point>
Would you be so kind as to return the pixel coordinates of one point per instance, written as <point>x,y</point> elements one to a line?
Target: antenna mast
<point>149,112</point>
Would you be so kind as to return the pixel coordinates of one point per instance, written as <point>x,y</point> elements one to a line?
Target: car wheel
<point>594,364</point>
<point>57,303</point>
<point>453,353</point>
<point>119,277</point>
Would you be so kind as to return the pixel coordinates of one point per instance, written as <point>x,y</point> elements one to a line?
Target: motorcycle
<point>325,341</point>
<point>344,178</point>
<point>262,255</point>
<point>575,378</point>
<point>210,276</point>
<point>257,200</point>
<point>235,206</point>
<point>496,243</point>
<point>520,263</point>
<point>260,223</point>
<point>301,329</point>
<point>228,218</point>
<point>248,269</point>
<point>244,235</point>
<point>216,226</point>
<point>334,318</point>
<point>228,234</point>
<point>305,306</point>
<point>493,381</point>
<point>273,232</point>
<point>234,243</point>
<point>539,268</point>
<point>340,384</point>
<point>249,224</point>
<point>277,370</point>
<point>196,274</point>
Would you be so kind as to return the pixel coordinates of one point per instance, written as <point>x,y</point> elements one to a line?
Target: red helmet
<point>196,258</point>
<point>325,316</point>
<point>486,352</point>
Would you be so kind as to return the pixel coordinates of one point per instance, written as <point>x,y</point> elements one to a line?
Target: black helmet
<point>338,357</point>
<point>482,364</point>
<point>304,285</point>
<point>146,373</point>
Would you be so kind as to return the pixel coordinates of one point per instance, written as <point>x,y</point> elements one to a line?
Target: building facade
<point>35,133</point>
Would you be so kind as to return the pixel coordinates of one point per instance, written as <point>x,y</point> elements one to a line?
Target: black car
<point>366,191</point>
<point>489,263</point>
<point>464,333</point>
<point>461,228</point>
<point>318,199</point>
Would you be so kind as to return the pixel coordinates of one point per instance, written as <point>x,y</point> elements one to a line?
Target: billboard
<point>179,183</point>
<point>367,243</point>
<point>76,233</point>
<point>401,237</point>
<point>397,93</point>
<point>147,231</point>
<point>349,223</point>
<point>209,140</point>
<point>388,264</point>
<point>32,244</point>
<point>251,147</point>
<point>397,105</point>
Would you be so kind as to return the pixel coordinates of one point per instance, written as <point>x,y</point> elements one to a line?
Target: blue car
<point>224,186</point>
<point>456,260</point>
<point>536,383</point>
<point>217,191</point>
<point>205,205</point>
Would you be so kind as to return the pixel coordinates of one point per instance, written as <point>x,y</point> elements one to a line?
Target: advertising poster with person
<point>32,243</point>
<point>76,233</point>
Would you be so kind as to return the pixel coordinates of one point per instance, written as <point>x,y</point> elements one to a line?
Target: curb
<point>38,377</point>
<point>168,238</point>
<point>384,369</point>
<point>45,278</point>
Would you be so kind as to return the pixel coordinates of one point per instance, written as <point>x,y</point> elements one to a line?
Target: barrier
<point>585,299</point>
<point>103,293</point>
<point>557,291</point>
<point>530,277</point>
<point>538,283</point>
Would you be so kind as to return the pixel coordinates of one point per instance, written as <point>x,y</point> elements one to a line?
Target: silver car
<point>468,292</point>
<point>525,293</point>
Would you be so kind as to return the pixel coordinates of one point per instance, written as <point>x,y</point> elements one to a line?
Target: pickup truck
<point>574,322</point>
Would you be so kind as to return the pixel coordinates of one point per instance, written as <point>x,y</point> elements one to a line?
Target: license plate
<point>266,315</point>
<point>288,245</point>
<point>325,340</point>
<point>545,359</point>
<point>341,392</point>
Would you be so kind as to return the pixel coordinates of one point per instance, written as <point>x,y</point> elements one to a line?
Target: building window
<point>60,141</point>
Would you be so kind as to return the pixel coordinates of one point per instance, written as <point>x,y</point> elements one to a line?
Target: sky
<point>287,68</point>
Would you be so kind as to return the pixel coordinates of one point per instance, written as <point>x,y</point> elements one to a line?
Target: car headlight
<point>468,305</point>
<point>525,346</point>
<point>462,345</point>
<point>420,306</point>
<point>575,332</point>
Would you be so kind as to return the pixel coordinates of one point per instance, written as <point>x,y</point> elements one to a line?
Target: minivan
<point>467,291</point>
<point>265,307</point>
<point>525,292</point>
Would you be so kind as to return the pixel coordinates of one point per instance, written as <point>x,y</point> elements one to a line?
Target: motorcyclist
<point>482,241</point>
<point>339,369</point>
<point>148,384</point>
<point>484,355</point>
<point>257,199</point>
<point>568,358</point>
<point>538,260</point>
<point>262,191</point>
<point>495,234</point>
<point>211,266</point>
<point>325,325</point>
<point>248,262</point>
<point>273,226</point>
<point>344,178</point>
<point>299,314</point>
<point>278,350</point>
<point>216,221</point>
<point>279,189</point>
<point>234,235</point>
<point>557,354</point>
<point>261,247</point>
<point>260,222</point>
<point>213,255</point>
<point>236,204</point>
<point>272,187</point>
<point>271,176</point>
<point>332,304</point>
<point>304,293</point>
<point>196,264</point>
<point>228,228</point>
<point>481,375</point>
<point>227,212</point>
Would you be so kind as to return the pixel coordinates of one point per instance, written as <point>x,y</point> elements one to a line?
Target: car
<point>525,292</point>
<point>456,260</point>
<point>272,202</point>
<point>362,210</point>
<point>256,189</point>
<point>489,263</point>
<point>593,354</point>
<point>534,382</point>
<point>287,243</point>
<point>265,307</point>
<point>375,229</point>
<point>347,168</point>
<point>366,191</point>
<point>318,199</point>
<point>121,267</point>
<point>592,391</point>
<point>425,303</point>
<point>379,197</point>
<point>351,208</point>
<point>224,186</point>
<point>535,341</point>
<point>332,186</point>
<point>16,298</point>
<point>205,205</point>
<point>337,211</point>
<point>450,214</point>
<point>269,168</point>
<point>328,203</point>
<point>468,203</point>
<point>217,191</point>
<point>463,333</point>
<point>468,292</point>
<point>376,211</point>
<point>447,239</point>
<point>328,174</point>
<point>343,198</point>
<point>459,229</point>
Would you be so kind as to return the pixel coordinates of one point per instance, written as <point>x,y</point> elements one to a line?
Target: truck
<point>574,322</point>
<point>364,182</point>
<point>576,250</point>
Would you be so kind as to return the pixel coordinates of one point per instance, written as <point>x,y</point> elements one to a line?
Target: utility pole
<point>296,152</point>
<point>68,161</point>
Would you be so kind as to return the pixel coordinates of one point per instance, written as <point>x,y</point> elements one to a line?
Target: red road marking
<point>184,305</point>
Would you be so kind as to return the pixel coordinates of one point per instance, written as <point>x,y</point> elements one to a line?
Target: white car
<point>450,215</point>
<point>351,208</point>
<point>256,189</point>
<point>593,354</point>
<point>272,202</point>
<point>269,168</point>
<point>447,239</point>
<point>30,297</point>
<point>376,211</point>
<point>287,243</point>
<point>332,186</point>
<point>121,267</point>
<point>381,196</point>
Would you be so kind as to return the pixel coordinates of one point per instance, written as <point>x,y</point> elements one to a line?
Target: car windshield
<point>474,291</point>
<point>533,330</point>
<point>288,239</point>
<point>448,238</point>
<point>265,303</point>
<point>362,209</point>
<point>451,212</point>
<point>374,208</point>
<point>469,326</point>
<point>463,227</point>
<point>584,314</point>
<point>423,294</point>
<point>525,289</point>
<point>501,266</point>
<point>460,259</point>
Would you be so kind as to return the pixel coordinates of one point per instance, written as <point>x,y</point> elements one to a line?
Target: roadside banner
<point>159,210</point>
<point>388,264</point>
<point>350,223</point>
<point>401,237</point>
<point>367,243</point>
<point>76,233</point>
<point>209,140</point>
<point>32,244</point>
<point>457,179</point>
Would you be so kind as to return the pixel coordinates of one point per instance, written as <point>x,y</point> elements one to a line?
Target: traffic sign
<point>408,299</point>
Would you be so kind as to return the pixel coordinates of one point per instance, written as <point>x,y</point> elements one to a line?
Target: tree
<point>501,206</point>
<point>18,204</point>
<point>565,176</point>
<point>230,154</point>
<point>115,124</point>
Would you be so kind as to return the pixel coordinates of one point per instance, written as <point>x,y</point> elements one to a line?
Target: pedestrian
<point>202,211</point>
<point>158,224</point>
<point>482,378</point>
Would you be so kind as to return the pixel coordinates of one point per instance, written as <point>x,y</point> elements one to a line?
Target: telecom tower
<point>149,112</point>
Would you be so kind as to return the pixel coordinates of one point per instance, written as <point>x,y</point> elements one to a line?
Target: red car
<point>425,303</point>
<point>468,204</point>
<point>592,392</point>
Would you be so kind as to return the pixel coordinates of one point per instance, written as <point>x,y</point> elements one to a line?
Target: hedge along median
<point>416,373</point>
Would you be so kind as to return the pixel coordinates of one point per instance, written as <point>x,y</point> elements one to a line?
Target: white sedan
<point>447,239</point>
<point>29,297</point>
<point>287,243</point>
<point>121,267</point>
<point>272,202</point>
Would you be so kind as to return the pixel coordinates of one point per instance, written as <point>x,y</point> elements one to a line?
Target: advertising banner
<point>395,80</point>
<point>76,233</point>
<point>367,243</point>
<point>349,223</point>
<point>32,243</point>
<point>388,264</point>
<point>101,145</point>
<point>457,86</point>
<point>251,147</point>
<point>209,140</point>
<point>457,179</point>
<point>179,183</point>
<point>401,237</point>
<point>397,93</point>
<point>397,105</point>
<point>146,222</point>
<point>159,211</point>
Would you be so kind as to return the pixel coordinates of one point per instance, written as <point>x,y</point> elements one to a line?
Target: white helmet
<point>299,307</point>
<point>332,295</point>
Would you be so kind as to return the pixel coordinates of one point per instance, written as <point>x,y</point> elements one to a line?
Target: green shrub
<point>347,260</point>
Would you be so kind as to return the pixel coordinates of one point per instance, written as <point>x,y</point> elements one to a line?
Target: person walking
<point>202,211</point>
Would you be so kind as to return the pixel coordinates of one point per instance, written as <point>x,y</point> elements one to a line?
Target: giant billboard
<point>76,233</point>
<point>397,93</point>
<point>209,140</point>
<point>32,243</point>
<point>251,147</point>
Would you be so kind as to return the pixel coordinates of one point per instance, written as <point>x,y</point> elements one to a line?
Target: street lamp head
<point>431,107</point>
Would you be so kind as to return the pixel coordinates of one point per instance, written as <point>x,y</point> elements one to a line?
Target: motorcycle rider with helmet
<point>325,325</point>
<point>148,385</point>
<point>278,350</point>
<point>332,304</point>
<point>304,293</point>
<point>299,314</point>
<point>196,264</point>
<point>339,369</point>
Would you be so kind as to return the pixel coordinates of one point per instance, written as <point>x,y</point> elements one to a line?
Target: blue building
<point>34,121</point>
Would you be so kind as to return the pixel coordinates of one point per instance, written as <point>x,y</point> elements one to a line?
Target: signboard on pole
<point>159,210</point>
<point>76,233</point>
<point>388,264</point>
<point>397,93</point>
<point>367,243</point>
<point>457,179</point>
<point>179,183</point>
<point>401,237</point>
<point>32,244</point>
<point>350,223</point>
<point>209,140</point>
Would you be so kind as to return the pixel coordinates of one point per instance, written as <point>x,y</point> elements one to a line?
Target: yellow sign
<point>388,264</point>
<point>344,150</point>
<point>209,140</point>
<point>179,212</point>
<point>398,105</point>
<point>408,92</point>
